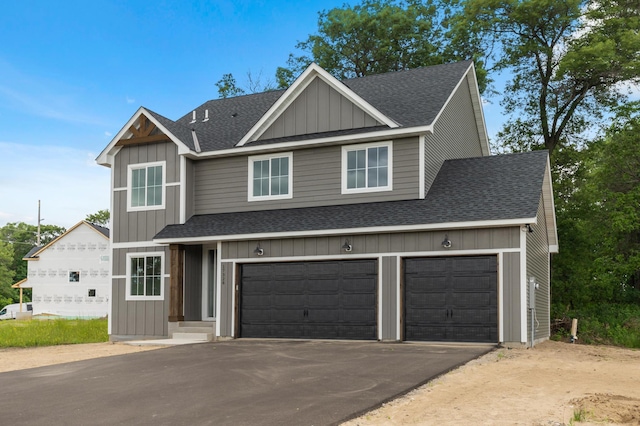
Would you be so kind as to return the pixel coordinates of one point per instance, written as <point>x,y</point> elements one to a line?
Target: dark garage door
<point>451,299</point>
<point>317,300</point>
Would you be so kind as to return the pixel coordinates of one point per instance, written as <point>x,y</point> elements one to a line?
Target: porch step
<point>193,330</point>
<point>205,337</point>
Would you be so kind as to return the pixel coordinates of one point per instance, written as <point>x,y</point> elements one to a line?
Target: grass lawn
<point>23,334</point>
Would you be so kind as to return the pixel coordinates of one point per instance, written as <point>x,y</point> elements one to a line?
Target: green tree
<point>8,295</point>
<point>23,236</point>
<point>374,37</point>
<point>567,59</point>
<point>101,218</point>
<point>598,216</point>
<point>227,87</point>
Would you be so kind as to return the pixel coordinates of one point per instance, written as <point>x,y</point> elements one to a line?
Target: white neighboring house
<point>70,276</point>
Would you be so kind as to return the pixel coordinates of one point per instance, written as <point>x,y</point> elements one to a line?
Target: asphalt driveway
<point>241,382</point>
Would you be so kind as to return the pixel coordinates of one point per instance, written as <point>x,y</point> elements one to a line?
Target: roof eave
<point>351,231</point>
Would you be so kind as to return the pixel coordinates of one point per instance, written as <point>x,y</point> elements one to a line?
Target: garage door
<point>317,300</point>
<point>451,299</point>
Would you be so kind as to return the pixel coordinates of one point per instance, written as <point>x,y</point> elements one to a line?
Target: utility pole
<point>38,235</point>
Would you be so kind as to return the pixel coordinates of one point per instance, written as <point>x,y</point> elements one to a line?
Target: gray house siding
<point>466,239</point>
<point>226,298</point>
<point>221,184</point>
<point>376,246</point>
<point>511,319</point>
<point>455,134</point>
<point>389,298</point>
<point>137,319</point>
<point>538,267</point>
<point>143,225</point>
<point>319,108</point>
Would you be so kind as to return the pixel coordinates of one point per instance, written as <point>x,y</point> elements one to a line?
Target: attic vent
<point>193,119</point>
<point>206,115</point>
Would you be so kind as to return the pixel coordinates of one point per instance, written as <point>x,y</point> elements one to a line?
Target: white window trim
<point>128,295</point>
<point>130,169</point>
<point>289,195</point>
<point>366,146</point>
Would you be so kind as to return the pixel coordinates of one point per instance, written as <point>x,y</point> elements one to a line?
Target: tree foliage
<point>374,37</point>
<point>598,211</point>
<point>7,294</point>
<point>101,218</point>
<point>567,59</point>
<point>227,87</point>
<point>23,237</point>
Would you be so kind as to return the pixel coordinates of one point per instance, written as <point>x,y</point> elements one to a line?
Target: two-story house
<point>368,208</point>
<point>70,276</point>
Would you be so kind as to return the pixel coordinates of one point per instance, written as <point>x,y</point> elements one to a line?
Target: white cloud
<point>68,182</point>
<point>130,100</point>
<point>108,134</point>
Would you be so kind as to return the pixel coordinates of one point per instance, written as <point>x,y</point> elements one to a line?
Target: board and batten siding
<point>221,185</point>
<point>538,267</point>
<point>455,134</point>
<point>137,319</point>
<point>319,108</point>
<point>144,225</point>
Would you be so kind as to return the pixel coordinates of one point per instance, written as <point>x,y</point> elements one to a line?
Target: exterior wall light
<point>446,243</point>
<point>346,246</point>
<point>259,250</point>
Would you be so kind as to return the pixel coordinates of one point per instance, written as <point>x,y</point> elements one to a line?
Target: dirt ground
<point>552,384</point>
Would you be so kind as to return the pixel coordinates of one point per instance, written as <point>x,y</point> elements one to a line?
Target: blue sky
<point>73,72</point>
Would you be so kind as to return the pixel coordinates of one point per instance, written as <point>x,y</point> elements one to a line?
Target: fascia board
<point>58,238</point>
<point>103,158</point>
<point>19,284</point>
<point>298,86</point>
<point>337,140</point>
<point>550,208</point>
<point>351,231</point>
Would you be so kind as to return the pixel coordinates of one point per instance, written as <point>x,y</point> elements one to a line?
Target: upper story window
<point>367,167</point>
<point>145,184</point>
<point>270,177</point>
<point>144,276</point>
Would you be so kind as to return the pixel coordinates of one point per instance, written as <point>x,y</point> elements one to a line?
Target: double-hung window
<point>144,276</point>
<point>367,167</point>
<point>270,177</point>
<point>146,183</point>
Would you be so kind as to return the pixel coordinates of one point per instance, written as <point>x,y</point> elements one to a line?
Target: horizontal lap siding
<point>221,184</point>
<point>424,241</point>
<point>137,318</point>
<point>455,134</point>
<point>538,267</point>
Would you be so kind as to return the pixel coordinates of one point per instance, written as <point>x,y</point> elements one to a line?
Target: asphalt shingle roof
<point>475,189</point>
<point>410,98</point>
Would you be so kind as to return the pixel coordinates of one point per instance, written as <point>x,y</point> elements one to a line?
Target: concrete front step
<point>193,330</point>
<point>205,337</point>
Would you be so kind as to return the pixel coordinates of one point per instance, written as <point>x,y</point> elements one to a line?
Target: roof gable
<point>35,252</point>
<point>298,88</point>
<point>146,126</point>
<point>319,108</point>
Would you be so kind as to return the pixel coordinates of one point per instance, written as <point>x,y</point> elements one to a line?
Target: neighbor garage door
<point>318,300</point>
<point>451,299</point>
